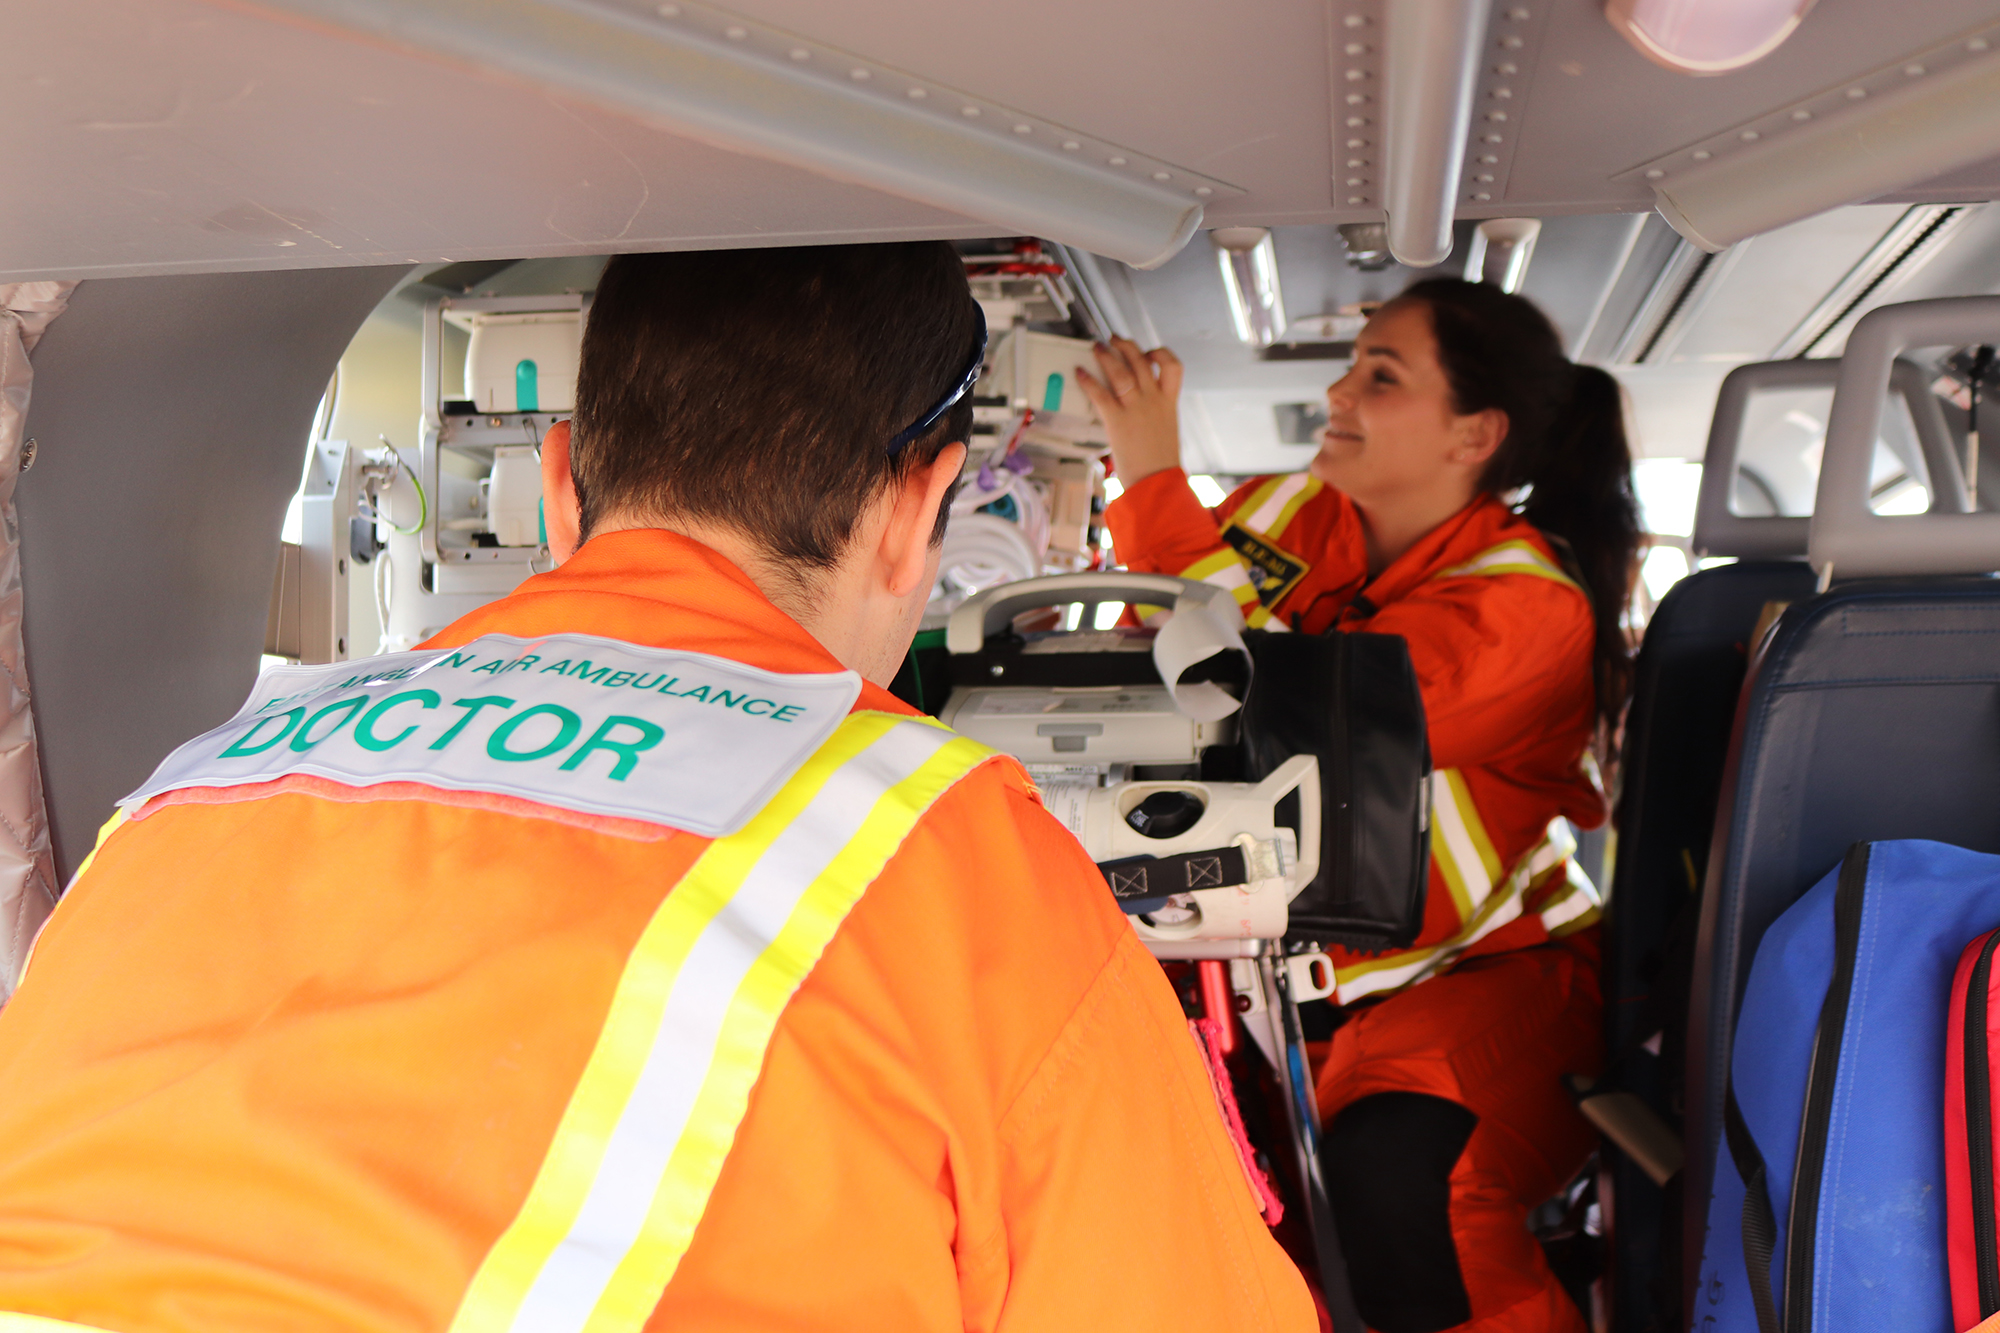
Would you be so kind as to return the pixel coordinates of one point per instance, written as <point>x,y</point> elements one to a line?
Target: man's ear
<point>562,516</point>
<point>906,542</point>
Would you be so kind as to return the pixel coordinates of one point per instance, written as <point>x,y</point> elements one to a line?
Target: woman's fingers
<point>1135,363</point>
<point>1169,368</point>
<point>1118,375</point>
<point>1100,397</point>
<point>1128,370</point>
<point>1137,395</point>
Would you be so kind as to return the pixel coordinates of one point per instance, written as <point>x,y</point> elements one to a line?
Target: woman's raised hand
<point>1138,395</point>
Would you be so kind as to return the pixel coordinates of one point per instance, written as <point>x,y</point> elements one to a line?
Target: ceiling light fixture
<point>1249,264</point>
<point>1913,132</point>
<point>1430,71</point>
<point>1500,251</point>
<point>723,81</point>
<point>1705,36</point>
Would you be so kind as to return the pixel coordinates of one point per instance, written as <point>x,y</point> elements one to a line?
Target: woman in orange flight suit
<point>1446,1116</point>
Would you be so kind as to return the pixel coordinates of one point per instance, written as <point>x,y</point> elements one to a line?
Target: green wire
<point>423,501</point>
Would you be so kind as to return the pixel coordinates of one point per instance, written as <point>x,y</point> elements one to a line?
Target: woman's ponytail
<point>1582,493</point>
<point>1565,459</point>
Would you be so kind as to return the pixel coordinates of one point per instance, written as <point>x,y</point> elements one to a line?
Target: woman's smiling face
<point>1391,430</point>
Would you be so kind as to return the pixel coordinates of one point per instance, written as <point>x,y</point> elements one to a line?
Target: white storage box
<point>523,362</point>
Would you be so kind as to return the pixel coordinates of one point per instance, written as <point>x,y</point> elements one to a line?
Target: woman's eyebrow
<point>1376,349</point>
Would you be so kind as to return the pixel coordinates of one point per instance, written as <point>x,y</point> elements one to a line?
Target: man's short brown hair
<point>760,389</point>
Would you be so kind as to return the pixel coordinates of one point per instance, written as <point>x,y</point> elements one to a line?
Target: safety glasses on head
<point>963,387</point>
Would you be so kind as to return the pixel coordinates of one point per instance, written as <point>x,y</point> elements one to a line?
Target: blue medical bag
<point>1827,1212</point>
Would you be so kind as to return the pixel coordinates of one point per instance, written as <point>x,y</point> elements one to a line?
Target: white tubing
<point>27,870</point>
<point>729,87</point>
<point>1430,74</point>
<point>1930,126</point>
<point>984,551</point>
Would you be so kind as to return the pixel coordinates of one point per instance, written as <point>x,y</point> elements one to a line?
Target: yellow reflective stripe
<point>1460,845</point>
<point>1223,569</point>
<point>1216,563</point>
<point>1269,509</point>
<point>1255,501</point>
<point>1264,514</point>
<point>1283,519</point>
<point>1220,569</point>
<point>637,1285</point>
<point>1515,557</point>
<point>1266,511</point>
<point>1547,857</point>
<point>104,831</point>
<point>1258,616</point>
<point>1408,968</point>
<point>630,1169</point>
<point>637,1008</point>
<point>1575,908</point>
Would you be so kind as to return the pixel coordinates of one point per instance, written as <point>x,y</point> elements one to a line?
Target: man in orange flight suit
<point>1500,638</point>
<point>545,978</point>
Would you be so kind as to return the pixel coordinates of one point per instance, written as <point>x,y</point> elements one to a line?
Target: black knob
<point>1166,814</point>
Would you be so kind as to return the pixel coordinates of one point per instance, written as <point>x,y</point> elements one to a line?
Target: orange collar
<point>657,588</point>
<point>1481,525</point>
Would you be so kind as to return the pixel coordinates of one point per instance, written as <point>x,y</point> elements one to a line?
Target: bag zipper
<point>1802,1217</point>
<point>1979,1130</point>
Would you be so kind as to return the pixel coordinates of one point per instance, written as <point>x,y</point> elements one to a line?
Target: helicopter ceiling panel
<point>154,136</point>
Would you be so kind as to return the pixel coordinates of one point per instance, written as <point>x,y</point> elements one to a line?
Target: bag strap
<point>1149,877</point>
<point>1760,1224</point>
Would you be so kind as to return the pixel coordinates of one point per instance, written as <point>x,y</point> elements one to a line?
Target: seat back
<point>1685,686</point>
<point>1719,530</point>
<point>1871,713</point>
<point>1689,674</point>
<point>1874,714</point>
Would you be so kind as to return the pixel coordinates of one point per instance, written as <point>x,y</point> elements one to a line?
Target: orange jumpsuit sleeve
<point>1499,659</point>
<point>1159,525</point>
<point>983,1111</point>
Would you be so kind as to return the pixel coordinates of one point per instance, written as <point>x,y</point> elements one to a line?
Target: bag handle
<point>1760,1224</point>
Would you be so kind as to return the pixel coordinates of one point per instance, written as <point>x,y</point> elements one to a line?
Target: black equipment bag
<point>1350,700</point>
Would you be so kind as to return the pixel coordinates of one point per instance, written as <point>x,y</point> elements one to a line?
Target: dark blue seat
<point>1874,714</point>
<point>1686,689</point>
<point>1689,674</point>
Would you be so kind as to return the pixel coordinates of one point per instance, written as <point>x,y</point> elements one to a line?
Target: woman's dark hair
<point>1565,447</point>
